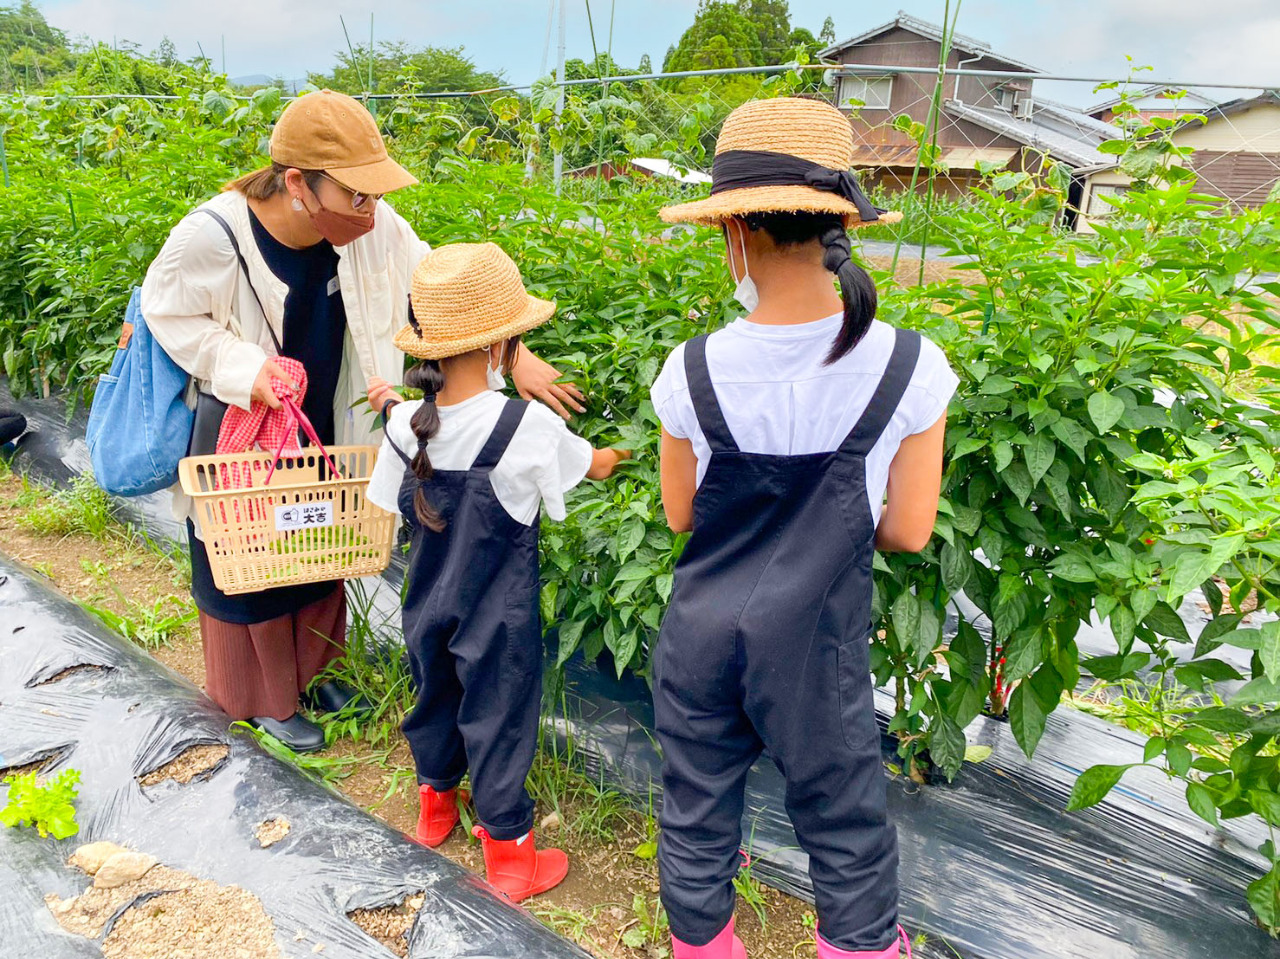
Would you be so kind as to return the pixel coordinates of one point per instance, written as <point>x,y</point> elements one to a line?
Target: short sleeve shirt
<point>779,397</point>
<point>543,461</point>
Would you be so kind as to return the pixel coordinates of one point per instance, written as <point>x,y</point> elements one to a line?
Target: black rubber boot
<point>297,732</point>
<point>12,425</point>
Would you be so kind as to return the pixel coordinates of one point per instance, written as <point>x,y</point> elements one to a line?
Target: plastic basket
<point>271,521</point>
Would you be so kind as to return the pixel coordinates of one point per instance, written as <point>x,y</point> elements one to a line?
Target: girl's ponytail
<point>427,377</point>
<point>857,289</point>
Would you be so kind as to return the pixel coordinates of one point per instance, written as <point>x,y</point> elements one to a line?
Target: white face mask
<point>493,378</point>
<point>745,292</point>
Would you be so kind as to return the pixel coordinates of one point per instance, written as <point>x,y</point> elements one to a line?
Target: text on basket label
<point>303,515</point>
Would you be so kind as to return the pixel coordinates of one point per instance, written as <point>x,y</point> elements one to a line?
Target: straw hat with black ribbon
<point>467,296</point>
<point>786,155</point>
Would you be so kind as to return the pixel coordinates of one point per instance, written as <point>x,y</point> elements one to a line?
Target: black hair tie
<point>837,251</point>
<point>428,397</point>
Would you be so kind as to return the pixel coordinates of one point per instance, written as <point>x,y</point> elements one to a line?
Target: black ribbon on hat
<point>742,169</point>
<point>413,320</point>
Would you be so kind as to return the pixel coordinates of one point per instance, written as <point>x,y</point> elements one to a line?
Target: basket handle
<point>300,419</point>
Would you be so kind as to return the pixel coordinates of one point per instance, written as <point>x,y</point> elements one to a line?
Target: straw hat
<point>467,296</point>
<point>333,132</point>
<point>810,130</point>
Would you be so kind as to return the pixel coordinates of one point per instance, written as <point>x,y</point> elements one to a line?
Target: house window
<point>873,93</point>
<point>1097,205</point>
<point>1006,97</point>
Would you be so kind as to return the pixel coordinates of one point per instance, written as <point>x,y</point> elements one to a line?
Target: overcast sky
<point>1227,41</point>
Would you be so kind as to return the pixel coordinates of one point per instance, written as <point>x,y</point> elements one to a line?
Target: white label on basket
<point>303,515</point>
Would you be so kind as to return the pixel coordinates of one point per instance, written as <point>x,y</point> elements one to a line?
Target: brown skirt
<point>259,669</point>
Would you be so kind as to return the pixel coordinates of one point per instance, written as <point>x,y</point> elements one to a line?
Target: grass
<point>149,626</point>
<point>80,508</point>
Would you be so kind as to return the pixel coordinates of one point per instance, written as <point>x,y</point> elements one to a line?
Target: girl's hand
<point>381,393</point>
<point>604,462</point>
<point>536,379</point>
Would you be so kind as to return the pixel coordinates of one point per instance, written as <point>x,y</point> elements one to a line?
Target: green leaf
<point>1193,568</point>
<point>1026,718</point>
<point>1114,668</point>
<point>630,536</point>
<point>1257,692</point>
<point>905,614</point>
<point>1201,802</point>
<point>1264,897</point>
<point>1221,719</point>
<point>1073,567</point>
<point>1003,455</point>
<point>947,745</point>
<point>1179,757</point>
<point>1105,410</point>
<point>977,754</point>
<point>1123,626</point>
<point>995,384</point>
<point>1153,748</point>
<point>1023,653</point>
<point>1142,602</point>
<point>1266,804</point>
<point>1039,454</point>
<point>1093,785</point>
<point>1269,652</point>
<point>570,638</point>
<point>1073,436</point>
<point>646,850</point>
<point>1165,621</point>
<point>957,567</point>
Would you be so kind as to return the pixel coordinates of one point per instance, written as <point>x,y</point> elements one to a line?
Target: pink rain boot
<point>899,950</point>
<point>724,946</point>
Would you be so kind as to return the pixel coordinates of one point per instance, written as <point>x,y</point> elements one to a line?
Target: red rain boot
<point>517,868</point>
<point>438,815</point>
<point>901,948</point>
<point>724,946</point>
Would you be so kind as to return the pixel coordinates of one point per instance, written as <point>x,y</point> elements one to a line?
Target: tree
<point>436,69</point>
<point>31,51</point>
<point>646,65</point>
<point>828,32</point>
<point>772,22</point>
<point>720,37</point>
<point>166,53</point>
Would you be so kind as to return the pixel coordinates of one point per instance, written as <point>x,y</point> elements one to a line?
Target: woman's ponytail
<point>425,422</point>
<point>857,289</point>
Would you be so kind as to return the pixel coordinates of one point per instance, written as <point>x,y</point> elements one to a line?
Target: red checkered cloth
<point>262,426</point>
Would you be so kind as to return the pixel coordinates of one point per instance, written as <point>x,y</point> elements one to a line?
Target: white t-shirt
<point>542,463</point>
<point>777,396</point>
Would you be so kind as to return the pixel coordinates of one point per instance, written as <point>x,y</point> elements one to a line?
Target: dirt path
<point>609,903</point>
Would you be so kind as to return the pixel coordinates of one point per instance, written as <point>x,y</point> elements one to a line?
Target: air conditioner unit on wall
<point>1023,107</point>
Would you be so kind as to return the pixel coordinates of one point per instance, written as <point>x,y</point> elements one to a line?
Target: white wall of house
<point>1256,130</point>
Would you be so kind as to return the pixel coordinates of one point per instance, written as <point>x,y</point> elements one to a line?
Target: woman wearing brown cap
<point>325,279</point>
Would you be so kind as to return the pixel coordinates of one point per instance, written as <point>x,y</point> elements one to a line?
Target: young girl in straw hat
<point>469,469</point>
<point>789,425</point>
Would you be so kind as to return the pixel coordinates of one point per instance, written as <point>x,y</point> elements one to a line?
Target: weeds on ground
<point>80,508</point>
<point>149,626</point>
<point>648,927</point>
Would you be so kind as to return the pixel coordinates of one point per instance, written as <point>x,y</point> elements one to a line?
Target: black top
<point>315,323</point>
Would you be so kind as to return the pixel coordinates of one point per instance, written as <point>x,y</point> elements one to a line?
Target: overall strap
<point>500,438</point>
<point>703,396</point>
<point>885,400</point>
<point>385,417</point>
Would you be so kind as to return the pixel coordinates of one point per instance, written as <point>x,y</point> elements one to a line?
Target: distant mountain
<point>263,80</point>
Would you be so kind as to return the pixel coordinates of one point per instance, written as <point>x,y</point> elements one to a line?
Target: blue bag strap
<point>235,245</point>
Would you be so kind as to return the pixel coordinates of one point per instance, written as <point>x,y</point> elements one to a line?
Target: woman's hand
<point>381,393</point>
<point>263,391</point>
<point>536,379</point>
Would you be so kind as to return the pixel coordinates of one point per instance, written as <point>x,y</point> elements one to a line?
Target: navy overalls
<point>474,635</point>
<point>765,646</point>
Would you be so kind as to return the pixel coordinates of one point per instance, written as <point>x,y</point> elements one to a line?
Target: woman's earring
<point>297,204</point>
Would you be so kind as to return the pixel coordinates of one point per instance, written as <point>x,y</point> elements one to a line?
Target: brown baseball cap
<point>333,132</point>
